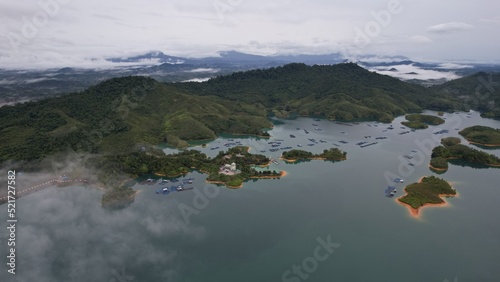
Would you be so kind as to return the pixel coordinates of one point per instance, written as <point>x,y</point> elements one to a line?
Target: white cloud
<point>449,27</point>
<point>197,79</point>
<point>406,72</point>
<point>454,66</point>
<point>85,32</point>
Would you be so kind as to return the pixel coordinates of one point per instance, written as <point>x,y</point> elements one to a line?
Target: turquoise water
<point>261,231</point>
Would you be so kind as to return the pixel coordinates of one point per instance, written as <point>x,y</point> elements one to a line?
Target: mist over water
<point>65,235</point>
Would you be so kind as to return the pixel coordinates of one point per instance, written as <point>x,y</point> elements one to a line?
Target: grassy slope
<point>116,116</point>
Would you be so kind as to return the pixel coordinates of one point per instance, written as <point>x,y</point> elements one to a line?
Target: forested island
<point>333,154</point>
<point>452,149</point>
<point>482,135</point>
<point>427,192</point>
<point>419,121</point>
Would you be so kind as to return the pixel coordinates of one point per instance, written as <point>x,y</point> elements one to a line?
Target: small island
<point>482,135</point>
<point>419,121</point>
<point>452,149</point>
<point>333,154</point>
<point>427,192</point>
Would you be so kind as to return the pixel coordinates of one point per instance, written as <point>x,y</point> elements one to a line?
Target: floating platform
<point>374,143</point>
<point>399,180</point>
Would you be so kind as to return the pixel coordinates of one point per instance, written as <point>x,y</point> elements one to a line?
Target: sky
<point>58,33</point>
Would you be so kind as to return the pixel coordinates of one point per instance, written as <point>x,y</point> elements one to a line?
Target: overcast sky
<point>82,33</point>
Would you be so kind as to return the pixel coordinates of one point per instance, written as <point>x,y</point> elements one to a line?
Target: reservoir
<point>324,221</point>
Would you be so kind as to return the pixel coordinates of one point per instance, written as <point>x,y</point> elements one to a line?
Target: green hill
<point>480,92</point>
<point>116,116</point>
<point>343,91</point>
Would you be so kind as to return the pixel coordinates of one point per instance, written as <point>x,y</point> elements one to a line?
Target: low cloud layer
<point>449,27</point>
<point>63,233</point>
<point>407,72</point>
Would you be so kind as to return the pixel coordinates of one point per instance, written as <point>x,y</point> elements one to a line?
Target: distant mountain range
<point>23,85</point>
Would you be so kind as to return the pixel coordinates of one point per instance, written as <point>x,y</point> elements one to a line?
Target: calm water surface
<point>259,232</point>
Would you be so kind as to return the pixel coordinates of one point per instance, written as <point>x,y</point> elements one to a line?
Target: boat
<point>399,180</point>
<point>179,189</point>
<point>164,191</point>
<point>292,136</point>
<point>300,145</point>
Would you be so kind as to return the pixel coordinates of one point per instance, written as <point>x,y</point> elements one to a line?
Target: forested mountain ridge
<point>119,115</point>
<point>123,114</point>
<point>480,91</point>
<point>343,91</point>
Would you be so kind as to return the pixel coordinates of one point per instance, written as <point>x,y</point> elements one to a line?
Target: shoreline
<point>283,173</point>
<point>224,183</point>
<point>437,169</point>
<point>416,212</point>
<point>481,144</point>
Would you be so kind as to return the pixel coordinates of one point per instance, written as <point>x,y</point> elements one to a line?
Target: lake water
<point>269,228</point>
